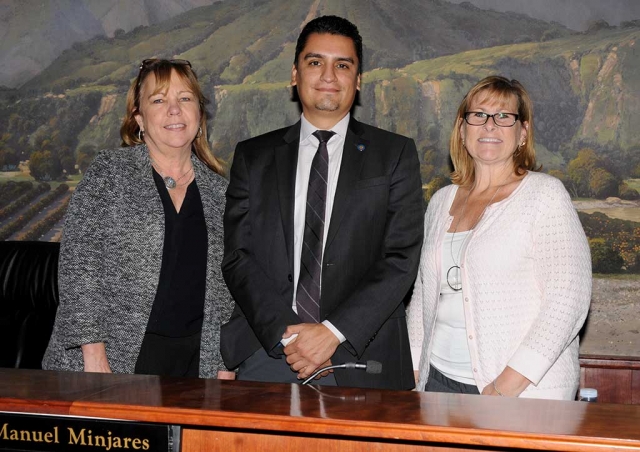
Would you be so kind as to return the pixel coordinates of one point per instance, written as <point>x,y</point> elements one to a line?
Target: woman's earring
<point>140,135</point>
<point>199,132</point>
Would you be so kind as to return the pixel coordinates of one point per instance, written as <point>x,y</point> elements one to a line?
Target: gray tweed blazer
<point>110,259</point>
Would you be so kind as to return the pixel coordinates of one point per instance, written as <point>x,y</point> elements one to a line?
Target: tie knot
<point>323,135</point>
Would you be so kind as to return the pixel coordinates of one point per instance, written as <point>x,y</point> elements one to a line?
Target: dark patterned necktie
<point>309,281</point>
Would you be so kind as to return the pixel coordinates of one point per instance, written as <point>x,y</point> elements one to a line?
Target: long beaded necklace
<point>456,285</point>
<point>169,181</point>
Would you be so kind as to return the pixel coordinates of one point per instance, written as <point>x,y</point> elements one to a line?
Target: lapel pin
<point>360,147</point>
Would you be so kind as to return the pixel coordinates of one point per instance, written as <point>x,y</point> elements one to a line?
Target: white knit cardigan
<point>526,278</point>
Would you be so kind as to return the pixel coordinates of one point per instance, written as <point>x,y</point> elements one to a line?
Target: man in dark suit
<point>307,294</point>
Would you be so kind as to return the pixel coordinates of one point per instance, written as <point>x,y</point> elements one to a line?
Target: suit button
<point>290,277</point>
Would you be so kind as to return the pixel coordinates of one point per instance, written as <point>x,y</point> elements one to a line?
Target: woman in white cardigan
<point>504,283</point>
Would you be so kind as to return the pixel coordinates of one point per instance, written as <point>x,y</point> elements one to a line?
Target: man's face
<point>326,78</point>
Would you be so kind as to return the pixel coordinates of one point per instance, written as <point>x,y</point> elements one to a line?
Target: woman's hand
<point>226,375</point>
<point>509,384</point>
<point>95,358</point>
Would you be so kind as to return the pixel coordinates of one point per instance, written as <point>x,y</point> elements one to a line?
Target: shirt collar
<point>307,129</point>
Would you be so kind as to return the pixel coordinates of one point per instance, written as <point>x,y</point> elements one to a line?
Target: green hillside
<point>585,88</point>
<point>421,56</point>
<point>230,40</point>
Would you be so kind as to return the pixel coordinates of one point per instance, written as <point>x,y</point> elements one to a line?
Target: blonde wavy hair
<point>162,69</point>
<point>502,90</point>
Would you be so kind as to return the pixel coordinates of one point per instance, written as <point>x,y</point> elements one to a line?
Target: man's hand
<point>312,348</point>
<point>326,372</point>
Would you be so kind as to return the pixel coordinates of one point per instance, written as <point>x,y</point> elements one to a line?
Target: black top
<point>178,308</point>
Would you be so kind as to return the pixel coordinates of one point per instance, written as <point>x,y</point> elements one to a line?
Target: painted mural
<point>65,76</point>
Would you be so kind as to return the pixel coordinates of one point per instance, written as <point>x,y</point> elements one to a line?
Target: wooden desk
<point>233,415</point>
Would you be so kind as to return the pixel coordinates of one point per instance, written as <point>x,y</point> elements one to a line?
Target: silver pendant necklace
<point>169,181</point>
<point>454,279</point>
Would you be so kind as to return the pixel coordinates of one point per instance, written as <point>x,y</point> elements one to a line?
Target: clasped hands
<point>311,349</point>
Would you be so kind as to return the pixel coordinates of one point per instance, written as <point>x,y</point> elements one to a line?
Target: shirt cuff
<point>284,341</point>
<point>530,364</point>
<point>334,330</point>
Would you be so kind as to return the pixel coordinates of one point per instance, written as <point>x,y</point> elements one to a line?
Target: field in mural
<point>585,87</point>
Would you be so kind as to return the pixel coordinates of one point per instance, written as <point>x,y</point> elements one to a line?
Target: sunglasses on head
<point>149,61</point>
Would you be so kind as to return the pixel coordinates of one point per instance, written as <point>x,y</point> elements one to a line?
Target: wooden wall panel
<point>635,387</point>
<point>614,386</point>
<point>617,379</point>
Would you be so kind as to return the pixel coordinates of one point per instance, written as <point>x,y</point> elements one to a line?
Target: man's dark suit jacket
<point>370,260</point>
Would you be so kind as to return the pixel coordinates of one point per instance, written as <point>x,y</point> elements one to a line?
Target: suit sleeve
<point>256,294</point>
<point>382,289</point>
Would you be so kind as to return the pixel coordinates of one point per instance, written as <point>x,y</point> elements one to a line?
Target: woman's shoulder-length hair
<point>162,70</point>
<point>502,90</point>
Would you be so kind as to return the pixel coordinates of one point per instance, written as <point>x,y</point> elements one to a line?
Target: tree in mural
<point>602,184</point>
<point>86,153</point>
<point>44,166</point>
<point>604,258</point>
<point>628,193</point>
<point>589,176</point>
<point>9,159</point>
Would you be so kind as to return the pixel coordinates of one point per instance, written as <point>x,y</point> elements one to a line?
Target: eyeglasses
<point>480,118</point>
<point>150,61</point>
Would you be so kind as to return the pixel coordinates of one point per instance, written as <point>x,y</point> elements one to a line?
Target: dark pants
<point>262,367</point>
<point>439,383</point>
<point>169,356</point>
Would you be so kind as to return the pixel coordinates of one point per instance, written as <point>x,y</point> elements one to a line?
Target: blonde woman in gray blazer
<point>125,261</point>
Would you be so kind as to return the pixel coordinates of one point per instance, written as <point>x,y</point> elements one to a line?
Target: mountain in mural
<point>74,105</point>
<point>575,14</point>
<point>420,58</point>
<point>33,33</point>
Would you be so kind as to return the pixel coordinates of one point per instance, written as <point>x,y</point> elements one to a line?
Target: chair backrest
<point>28,301</point>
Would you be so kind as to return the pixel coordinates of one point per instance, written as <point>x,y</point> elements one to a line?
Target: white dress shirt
<point>306,151</point>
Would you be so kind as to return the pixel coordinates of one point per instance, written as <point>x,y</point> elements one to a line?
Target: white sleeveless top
<point>450,351</point>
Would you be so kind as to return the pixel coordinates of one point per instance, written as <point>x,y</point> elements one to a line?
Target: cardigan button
<point>290,277</point>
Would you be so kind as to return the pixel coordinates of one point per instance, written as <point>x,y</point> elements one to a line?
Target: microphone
<point>370,367</point>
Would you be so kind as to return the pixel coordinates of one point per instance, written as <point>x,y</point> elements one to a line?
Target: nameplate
<point>20,432</point>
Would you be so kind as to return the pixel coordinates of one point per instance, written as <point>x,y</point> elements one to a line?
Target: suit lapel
<point>352,159</point>
<point>286,157</point>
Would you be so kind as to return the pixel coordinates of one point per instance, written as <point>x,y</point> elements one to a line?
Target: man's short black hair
<point>333,25</point>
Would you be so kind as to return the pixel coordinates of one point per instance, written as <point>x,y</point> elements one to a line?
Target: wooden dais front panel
<point>209,441</point>
<point>617,379</point>
<point>238,415</point>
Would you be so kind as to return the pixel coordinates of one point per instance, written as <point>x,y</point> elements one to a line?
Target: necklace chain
<point>169,181</point>
<point>457,283</point>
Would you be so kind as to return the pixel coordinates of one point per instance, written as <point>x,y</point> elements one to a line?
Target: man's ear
<point>358,83</point>
<point>294,75</point>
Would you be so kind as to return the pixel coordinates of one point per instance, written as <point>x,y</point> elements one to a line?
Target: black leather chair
<point>28,301</point>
